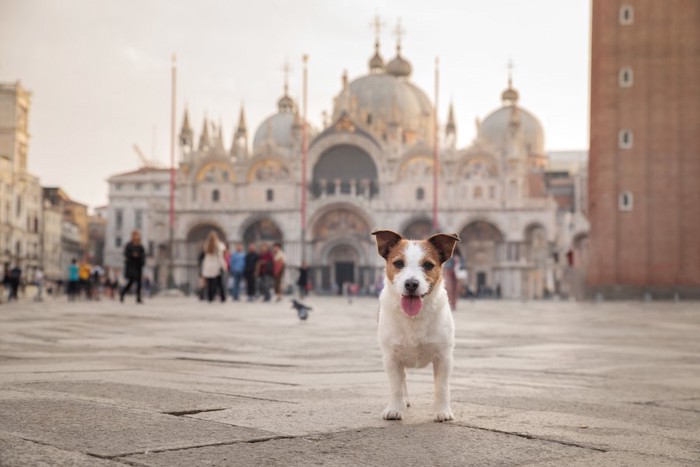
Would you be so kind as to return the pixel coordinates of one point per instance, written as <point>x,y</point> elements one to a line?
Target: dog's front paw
<point>444,415</point>
<point>392,413</point>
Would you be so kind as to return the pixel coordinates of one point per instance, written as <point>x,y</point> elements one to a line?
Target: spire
<point>239,146</point>
<point>376,63</point>
<point>186,135</point>
<point>220,140</point>
<point>285,104</point>
<point>204,141</point>
<point>242,127</point>
<point>451,127</point>
<point>510,95</point>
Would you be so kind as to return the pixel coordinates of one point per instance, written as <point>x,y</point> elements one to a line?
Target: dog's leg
<point>397,382</point>
<point>405,391</point>
<point>442,367</point>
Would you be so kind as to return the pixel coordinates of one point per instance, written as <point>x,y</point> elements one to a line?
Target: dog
<point>415,324</point>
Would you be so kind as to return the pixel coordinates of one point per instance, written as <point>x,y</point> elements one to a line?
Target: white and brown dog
<point>415,322</point>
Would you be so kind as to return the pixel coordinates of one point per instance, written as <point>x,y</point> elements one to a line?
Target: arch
<point>268,170</point>
<point>215,171</point>
<point>478,166</point>
<point>196,235</point>
<point>347,163</point>
<point>340,222</point>
<point>334,206</point>
<point>261,229</point>
<point>415,168</point>
<point>417,228</point>
<point>481,248</point>
<point>364,142</point>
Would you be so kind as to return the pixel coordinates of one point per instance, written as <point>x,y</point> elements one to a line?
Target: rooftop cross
<point>377,24</point>
<point>399,32</point>
<point>286,69</point>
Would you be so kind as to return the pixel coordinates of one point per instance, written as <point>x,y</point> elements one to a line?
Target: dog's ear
<point>444,244</point>
<point>386,240</point>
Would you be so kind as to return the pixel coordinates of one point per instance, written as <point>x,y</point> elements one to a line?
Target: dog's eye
<point>428,266</point>
<point>398,264</point>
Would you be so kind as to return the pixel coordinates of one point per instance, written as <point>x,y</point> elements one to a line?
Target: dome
<point>276,130</point>
<point>494,129</point>
<point>399,66</point>
<point>379,100</point>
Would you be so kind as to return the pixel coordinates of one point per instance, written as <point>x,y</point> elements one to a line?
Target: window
<point>626,15</point>
<point>118,219</point>
<point>625,201</point>
<point>137,186</point>
<point>215,196</point>
<point>492,192</point>
<point>18,210</point>
<point>477,192</point>
<point>626,77</point>
<point>156,187</point>
<point>420,194</point>
<point>138,219</point>
<point>118,242</point>
<point>270,195</point>
<point>151,248</point>
<point>117,186</point>
<point>625,139</point>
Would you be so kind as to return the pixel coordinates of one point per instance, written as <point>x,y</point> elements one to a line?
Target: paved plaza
<point>177,382</point>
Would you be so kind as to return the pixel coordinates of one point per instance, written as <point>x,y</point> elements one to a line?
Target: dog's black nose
<point>411,285</point>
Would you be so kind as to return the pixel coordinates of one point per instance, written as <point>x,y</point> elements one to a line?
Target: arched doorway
<point>481,248</point>
<point>262,231</point>
<point>418,229</point>
<point>195,244</point>
<point>345,169</point>
<point>339,237</point>
<point>344,261</point>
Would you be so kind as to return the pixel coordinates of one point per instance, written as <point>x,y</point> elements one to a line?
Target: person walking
<point>303,280</point>
<point>15,279</point>
<point>84,278</point>
<point>213,266</point>
<point>134,260</point>
<point>250,271</point>
<point>279,262</point>
<point>449,272</point>
<point>236,266</point>
<point>264,271</point>
<point>39,282</point>
<point>73,279</point>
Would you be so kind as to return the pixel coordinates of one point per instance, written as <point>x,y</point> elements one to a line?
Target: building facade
<point>369,167</point>
<point>20,193</point>
<point>645,149</point>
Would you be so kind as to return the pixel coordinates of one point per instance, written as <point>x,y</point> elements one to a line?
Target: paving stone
<point>430,444</point>
<point>17,452</point>
<point>155,399</point>
<point>105,430</point>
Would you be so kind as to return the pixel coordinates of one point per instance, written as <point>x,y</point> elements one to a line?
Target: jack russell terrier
<point>415,322</point>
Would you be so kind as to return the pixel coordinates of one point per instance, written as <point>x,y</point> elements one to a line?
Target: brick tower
<point>644,184</point>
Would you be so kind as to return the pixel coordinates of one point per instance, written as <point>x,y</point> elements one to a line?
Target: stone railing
<point>364,188</point>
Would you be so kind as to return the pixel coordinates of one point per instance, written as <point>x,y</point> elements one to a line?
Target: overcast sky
<point>99,70</point>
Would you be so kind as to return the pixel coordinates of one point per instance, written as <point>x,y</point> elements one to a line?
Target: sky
<point>99,71</point>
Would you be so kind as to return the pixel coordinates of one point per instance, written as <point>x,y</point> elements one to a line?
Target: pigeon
<point>302,310</point>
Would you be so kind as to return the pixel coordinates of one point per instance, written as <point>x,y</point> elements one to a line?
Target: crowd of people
<point>259,271</point>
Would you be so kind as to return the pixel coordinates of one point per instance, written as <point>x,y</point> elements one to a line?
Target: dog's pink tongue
<point>411,304</point>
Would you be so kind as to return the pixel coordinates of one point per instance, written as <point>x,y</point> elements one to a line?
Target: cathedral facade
<point>369,167</point>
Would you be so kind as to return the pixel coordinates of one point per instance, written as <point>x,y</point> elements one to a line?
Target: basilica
<point>370,166</point>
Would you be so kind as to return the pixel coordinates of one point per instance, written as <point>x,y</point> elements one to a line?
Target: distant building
<point>369,167</point>
<point>20,192</point>
<point>644,172</point>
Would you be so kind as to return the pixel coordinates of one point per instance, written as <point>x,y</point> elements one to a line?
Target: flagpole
<point>171,223</point>
<point>304,157</point>
<point>436,161</point>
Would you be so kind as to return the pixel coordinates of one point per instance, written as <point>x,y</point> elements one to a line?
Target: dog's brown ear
<point>444,244</point>
<point>386,240</point>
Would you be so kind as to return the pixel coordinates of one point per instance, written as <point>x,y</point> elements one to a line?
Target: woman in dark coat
<point>134,260</point>
<point>251,263</point>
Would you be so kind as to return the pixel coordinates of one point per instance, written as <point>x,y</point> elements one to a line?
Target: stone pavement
<point>178,382</point>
